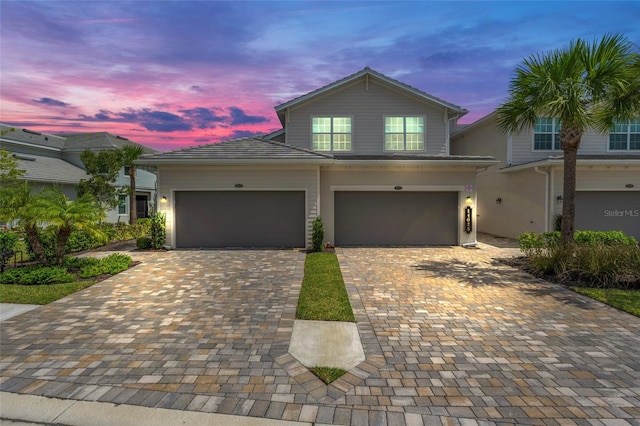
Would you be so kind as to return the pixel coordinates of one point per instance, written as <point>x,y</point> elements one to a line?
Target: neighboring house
<point>524,192</point>
<point>55,160</point>
<point>367,153</point>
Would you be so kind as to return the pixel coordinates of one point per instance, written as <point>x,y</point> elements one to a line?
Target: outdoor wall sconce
<point>559,198</point>
<point>397,188</point>
<point>498,200</point>
<point>629,185</point>
<point>469,200</point>
<point>239,185</point>
<point>163,199</point>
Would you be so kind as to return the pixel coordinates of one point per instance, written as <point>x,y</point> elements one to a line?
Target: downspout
<point>546,197</point>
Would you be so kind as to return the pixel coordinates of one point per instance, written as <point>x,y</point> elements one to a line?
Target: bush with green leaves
<point>317,234</point>
<point>36,275</point>
<point>143,243</point>
<point>8,241</point>
<point>111,265</point>
<point>157,230</point>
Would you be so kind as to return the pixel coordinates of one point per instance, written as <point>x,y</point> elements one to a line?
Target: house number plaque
<point>468,224</point>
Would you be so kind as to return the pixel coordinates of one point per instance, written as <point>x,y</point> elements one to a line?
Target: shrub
<point>81,240</point>
<point>143,243</point>
<point>317,235</point>
<point>158,230</point>
<point>73,262</point>
<point>8,242</point>
<point>36,275</point>
<point>111,265</point>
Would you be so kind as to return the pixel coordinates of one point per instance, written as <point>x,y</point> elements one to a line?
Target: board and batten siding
<point>224,178</point>
<point>368,106</point>
<point>386,179</point>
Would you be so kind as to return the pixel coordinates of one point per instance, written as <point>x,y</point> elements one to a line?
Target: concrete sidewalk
<point>37,410</point>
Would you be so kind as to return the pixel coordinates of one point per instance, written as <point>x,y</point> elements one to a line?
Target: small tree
<point>317,234</point>
<point>103,168</point>
<point>130,153</point>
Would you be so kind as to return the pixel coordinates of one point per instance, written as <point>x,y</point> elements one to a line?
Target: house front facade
<point>54,160</point>
<point>368,154</point>
<point>524,193</point>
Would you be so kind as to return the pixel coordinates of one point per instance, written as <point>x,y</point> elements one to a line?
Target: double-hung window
<point>546,134</point>
<point>331,133</point>
<point>404,133</point>
<point>625,136</point>
<point>122,205</point>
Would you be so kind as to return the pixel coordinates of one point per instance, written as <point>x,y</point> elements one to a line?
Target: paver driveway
<point>450,337</point>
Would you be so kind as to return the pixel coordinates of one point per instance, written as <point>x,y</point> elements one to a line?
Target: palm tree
<point>63,216</point>
<point>130,153</point>
<point>585,85</point>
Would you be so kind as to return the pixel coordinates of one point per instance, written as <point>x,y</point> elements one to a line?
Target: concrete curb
<point>18,409</point>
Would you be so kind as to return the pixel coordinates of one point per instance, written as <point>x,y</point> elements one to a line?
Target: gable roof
<point>243,150</point>
<point>29,137</point>
<point>370,73</point>
<point>99,140</point>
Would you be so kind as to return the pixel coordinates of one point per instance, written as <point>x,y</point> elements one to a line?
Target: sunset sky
<point>171,74</point>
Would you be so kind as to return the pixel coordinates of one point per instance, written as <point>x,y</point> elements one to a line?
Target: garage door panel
<point>608,211</point>
<point>213,219</point>
<point>395,218</point>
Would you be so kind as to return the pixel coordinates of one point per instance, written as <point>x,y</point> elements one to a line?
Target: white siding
<point>223,178</point>
<point>367,106</point>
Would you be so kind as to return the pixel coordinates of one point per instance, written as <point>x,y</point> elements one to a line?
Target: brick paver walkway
<point>451,337</point>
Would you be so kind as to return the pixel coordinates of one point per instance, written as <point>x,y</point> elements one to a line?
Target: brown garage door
<point>396,218</point>
<point>213,219</point>
<point>608,211</point>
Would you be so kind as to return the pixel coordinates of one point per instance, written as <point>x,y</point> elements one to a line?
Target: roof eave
<point>550,162</point>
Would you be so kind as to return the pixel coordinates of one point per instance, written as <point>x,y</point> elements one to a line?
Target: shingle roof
<point>48,169</point>
<point>252,148</point>
<point>368,71</point>
<point>99,140</point>
<point>17,134</point>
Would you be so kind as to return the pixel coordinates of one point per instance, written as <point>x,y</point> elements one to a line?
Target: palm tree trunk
<point>133,208</point>
<point>31,231</point>
<point>61,242</point>
<point>570,137</point>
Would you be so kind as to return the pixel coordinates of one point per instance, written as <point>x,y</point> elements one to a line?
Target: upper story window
<point>625,136</point>
<point>331,133</point>
<point>404,133</point>
<point>546,134</point>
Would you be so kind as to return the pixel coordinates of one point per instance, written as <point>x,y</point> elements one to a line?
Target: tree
<point>63,216</point>
<point>9,171</point>
<point>584,85</point>
<point>130,153</point>
<point>103,168</point>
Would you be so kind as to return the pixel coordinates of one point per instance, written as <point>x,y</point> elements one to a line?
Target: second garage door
<point>214,219</point>
<point>608,211</point>
<point>396,218</point>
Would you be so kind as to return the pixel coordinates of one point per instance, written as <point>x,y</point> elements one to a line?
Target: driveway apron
<point>451,337</point>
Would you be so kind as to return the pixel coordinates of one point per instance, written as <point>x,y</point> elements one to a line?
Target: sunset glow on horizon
<point>175,74</point>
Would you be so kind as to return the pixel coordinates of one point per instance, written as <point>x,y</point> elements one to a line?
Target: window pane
<point>415,124</point>
<point>617,141</point>
<point>342,125</point>
<point>543,125</point>
<point>321,125</point>
<point>394,142</point>
<point>542,141</point>
<point>415,141</point>
<point>394,125</point>
<point>342,142</point>
<point>122,205</point>
<point>322,142</point>
<point>634,141</point>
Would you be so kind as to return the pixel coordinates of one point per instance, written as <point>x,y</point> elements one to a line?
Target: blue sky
<point>171,74</point>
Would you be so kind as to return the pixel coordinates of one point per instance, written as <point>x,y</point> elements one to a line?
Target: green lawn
<point>625,300</point>
<point>323,296</point>
<point>328,374</point>
<point>39,294</point>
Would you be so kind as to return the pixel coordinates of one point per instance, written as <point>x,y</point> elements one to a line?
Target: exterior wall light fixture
<point>469,200</point>
<point>498,200</point>
<point>163,199</point>
<point>559,198</point>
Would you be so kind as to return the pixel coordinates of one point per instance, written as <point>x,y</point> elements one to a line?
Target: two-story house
<point>524,193</point>
<point>49,159</point>
<point>368,154</point>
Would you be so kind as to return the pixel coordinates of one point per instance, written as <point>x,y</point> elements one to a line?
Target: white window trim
<point>619,151</point>
<point>404,117</point>
<point>332,133</point>
<point>533,138</point>
<point>126,206</point>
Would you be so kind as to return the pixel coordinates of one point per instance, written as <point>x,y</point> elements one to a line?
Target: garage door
<point>396,218</point>
<point>213,219</point>
<point>608,211</point>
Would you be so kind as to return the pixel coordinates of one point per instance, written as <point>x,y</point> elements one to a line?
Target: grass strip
<point>328,374</point>
<point>625,300</point>
<point>323,296</point>
<point>39,294</point>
